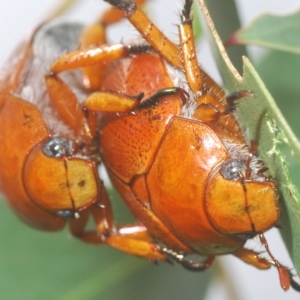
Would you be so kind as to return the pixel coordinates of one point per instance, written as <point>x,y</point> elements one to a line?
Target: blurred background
<point>35,265</point>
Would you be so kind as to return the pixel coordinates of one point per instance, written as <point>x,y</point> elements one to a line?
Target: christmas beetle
<point>165,131</point>
<point>174,150</point>
<point>49,159</point>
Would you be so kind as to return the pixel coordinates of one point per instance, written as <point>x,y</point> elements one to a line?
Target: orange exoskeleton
<point>165,131</point>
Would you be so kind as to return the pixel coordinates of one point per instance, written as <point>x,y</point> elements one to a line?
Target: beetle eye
<point>232,169</point>
<point>57,147</point>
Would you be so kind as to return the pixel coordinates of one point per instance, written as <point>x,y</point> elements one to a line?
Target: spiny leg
<point>283,273</point>
<point>62,97</point>
<point>66,104</point>
<point>252,258</point>
<point>158,41</point>
<point>132,239</point>
<point>188,50</point>
<point>95,36</point>
<point>165,48</point>
<point>111,102</point>
<point>100,55</point>
<point>115,102</point>
<point>216,109</point>
<point>257,261</point>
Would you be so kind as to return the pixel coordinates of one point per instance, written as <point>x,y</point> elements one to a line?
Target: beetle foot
<point>190,264</point>
<point>138,49</point>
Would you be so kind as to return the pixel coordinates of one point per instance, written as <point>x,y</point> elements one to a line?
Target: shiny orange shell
<point>38,187</point>
<point>169,165</point>
<point>166,134</point>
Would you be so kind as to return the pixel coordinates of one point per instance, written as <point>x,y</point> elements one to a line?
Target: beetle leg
<point>163,45</point>
<point>111,102</point>
<point>171,91</point>
<point>67,106</point>
<point>207,110</point>
<point>283,273</point>
<point>192,265</point>
<point>188,50</point>
<point>197,265</point>
<point>99,55</point>
<point>133,239</point>
<point>135,246</point>
<point>158,41</point>
<point>118,102</point>
<point>93,36</point>
<point>254,259</point>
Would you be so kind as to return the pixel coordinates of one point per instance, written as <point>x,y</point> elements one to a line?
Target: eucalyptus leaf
<point>197,27</point>
<point>271,31</point>
<point>37,265</point>
<point>264,123</point>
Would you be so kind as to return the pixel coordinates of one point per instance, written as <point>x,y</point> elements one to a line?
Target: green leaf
<point>219,11</point>
<point>271,31</point>
<point>285,87</point>
<point>197,28</point>
<point>264,123</point>
<point>37,265</point>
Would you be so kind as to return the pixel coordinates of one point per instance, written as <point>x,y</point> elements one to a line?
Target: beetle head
<point>236,205</point>
<point>57,180</point>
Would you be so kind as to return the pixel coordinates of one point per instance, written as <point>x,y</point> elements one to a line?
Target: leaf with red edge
<point>270,31</point>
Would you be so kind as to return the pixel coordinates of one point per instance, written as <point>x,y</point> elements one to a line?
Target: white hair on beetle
<point>50,42</point>
<point>179,80</point>
<point>242,152</point>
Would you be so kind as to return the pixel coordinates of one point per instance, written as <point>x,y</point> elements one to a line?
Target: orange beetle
<point>173,148</point>
<point>36,148</point>
<point>167,136</point>
<point>49,162</point>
